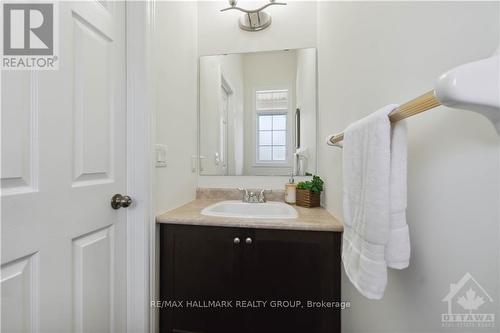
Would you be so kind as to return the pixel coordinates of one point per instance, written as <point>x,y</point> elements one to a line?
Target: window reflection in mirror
<point>257,113</point>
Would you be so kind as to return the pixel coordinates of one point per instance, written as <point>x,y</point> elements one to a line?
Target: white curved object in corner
<point>474,86</point>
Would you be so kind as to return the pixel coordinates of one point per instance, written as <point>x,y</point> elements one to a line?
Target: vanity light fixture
<point>254,19</point>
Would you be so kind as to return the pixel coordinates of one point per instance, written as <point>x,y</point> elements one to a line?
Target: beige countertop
<point>311,219</point>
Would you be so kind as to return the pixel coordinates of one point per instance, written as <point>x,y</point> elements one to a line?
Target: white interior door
<point>63,158</point>
<point>223,124</point>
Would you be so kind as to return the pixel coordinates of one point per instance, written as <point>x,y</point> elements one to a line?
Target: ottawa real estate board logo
<point>29,36</point>
<point>468,305</point>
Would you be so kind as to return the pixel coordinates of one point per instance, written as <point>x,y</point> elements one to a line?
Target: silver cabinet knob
<point>236,240</point>
<point>248,240</point>
<point>118,201</point>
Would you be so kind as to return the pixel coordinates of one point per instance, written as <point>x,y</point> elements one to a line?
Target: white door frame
<point>140,167</point>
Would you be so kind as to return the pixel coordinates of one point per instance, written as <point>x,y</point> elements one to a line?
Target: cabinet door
<point>199,264</point>
<point>291,267</point>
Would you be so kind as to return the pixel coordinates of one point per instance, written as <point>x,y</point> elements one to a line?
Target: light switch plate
<point>161,155</point>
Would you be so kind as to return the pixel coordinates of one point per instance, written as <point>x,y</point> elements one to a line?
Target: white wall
<point>372,54</point>
<point>176,95</point>
<point>294,26</point>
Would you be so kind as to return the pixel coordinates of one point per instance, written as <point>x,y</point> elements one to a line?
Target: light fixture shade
<point>254,19</point>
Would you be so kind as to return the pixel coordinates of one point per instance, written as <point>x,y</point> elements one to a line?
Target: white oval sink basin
<point>265,210</point>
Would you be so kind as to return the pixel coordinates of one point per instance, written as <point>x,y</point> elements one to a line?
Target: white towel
<point>374,201</point>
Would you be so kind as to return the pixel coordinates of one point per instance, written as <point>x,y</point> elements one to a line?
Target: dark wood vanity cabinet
<point>247,267</point>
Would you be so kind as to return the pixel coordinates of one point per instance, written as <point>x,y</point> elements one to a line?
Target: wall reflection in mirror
<point>257,113</point>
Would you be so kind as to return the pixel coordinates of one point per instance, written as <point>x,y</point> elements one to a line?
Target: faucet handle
<point>245,195</point>
<point>262,197</point>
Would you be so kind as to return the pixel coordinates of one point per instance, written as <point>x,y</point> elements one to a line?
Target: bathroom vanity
<point>220,274</point>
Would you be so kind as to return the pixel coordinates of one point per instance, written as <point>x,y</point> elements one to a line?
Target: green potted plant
<point>309,192</point>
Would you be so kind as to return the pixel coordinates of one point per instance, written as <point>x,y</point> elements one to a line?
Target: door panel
<point>20,281</point>
<point>93,276</point>
<point>199,264</point>
<point>299,266</point>
<point>223,129</point>
<point>63,158</point>
<point>93,103</point>
<point>19,132</point>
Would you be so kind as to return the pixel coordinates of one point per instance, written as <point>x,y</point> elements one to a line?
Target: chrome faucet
<point>246,196</point>
<point>253,197</point>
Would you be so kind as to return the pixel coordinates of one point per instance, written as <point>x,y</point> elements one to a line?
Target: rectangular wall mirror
<point>257,113</point>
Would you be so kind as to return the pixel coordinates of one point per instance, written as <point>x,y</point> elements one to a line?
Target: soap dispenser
<point>290,190</point>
